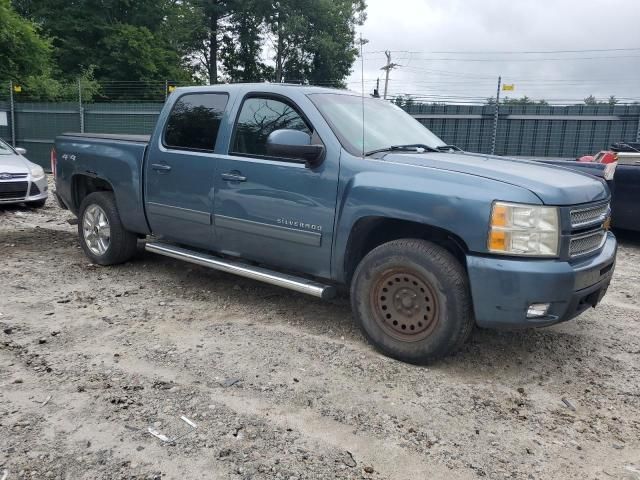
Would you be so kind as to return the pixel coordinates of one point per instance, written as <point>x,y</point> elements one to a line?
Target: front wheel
<point>102,236</point>
<point>411,298</point>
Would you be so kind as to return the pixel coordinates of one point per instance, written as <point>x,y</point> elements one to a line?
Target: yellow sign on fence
<point>508,88</point>
<point>17,88</point>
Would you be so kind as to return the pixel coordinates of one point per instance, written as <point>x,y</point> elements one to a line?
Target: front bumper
<point>503,288</point>
<point>34,190</point>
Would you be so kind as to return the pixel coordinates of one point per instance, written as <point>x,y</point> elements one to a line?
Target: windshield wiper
<point>414,147</point>
<point>448,148</point>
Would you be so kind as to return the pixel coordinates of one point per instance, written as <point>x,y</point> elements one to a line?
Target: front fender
<point>454,202</point>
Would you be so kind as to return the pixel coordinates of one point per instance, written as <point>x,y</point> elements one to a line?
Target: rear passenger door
<point>274,210</point>
<point>179,170</point>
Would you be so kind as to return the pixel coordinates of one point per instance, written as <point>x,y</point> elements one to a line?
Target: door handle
<point>233,177</point>
<point>161,167</point>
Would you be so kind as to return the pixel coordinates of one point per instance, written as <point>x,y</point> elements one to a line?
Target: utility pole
<point>13,114</point>
<point>495,118</point>
<point>80,107</point>
<point>388,67</point>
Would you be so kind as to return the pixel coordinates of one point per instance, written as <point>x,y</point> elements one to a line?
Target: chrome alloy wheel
<point>96,230</point>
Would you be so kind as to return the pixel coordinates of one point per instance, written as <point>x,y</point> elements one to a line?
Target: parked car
<point>620,167</point>
<point>21,181</point>
<point>604,157</point>
<point>287,185</point>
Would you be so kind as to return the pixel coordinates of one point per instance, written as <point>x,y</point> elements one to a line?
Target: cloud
<point>412,29</point>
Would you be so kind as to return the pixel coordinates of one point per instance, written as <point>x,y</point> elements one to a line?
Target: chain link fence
<point>133,107</point>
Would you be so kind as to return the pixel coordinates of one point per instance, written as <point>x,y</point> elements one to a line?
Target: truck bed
<point>116,159</point>
<point>111,136</point>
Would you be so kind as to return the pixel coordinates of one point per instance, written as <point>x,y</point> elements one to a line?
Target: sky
<point>454,50</point>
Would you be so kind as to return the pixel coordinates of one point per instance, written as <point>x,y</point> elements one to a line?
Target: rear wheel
<point>411,298</point>
<point>102,236</point>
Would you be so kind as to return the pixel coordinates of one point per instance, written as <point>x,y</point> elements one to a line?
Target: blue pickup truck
<point>320,190</point>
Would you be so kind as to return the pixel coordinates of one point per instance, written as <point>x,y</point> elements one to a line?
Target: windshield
<point>385,123</point>
<point>5,149</point>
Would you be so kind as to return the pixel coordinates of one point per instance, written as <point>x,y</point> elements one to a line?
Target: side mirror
<point>21,151</point>
<point>294,145</point>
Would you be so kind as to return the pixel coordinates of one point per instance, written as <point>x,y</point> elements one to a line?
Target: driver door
<point>274,210</point>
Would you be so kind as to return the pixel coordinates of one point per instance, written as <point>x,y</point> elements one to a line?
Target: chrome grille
<point>582,217</point>
<point>584,244</point>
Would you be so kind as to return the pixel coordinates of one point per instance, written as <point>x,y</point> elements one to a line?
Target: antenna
<point>362,43</point>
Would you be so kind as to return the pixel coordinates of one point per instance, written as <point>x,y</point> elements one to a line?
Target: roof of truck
<point>265,87</point>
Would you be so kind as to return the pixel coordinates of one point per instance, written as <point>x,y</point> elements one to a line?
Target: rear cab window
<point>194,122</point>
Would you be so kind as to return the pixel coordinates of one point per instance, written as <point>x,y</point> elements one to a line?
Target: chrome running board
<point>272,277</point>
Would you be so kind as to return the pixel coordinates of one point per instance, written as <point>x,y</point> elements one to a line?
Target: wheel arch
<point>370,232</point>
<point>83,185</point>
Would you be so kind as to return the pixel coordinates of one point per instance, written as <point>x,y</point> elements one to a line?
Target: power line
<point>509,52</point>
<point>499,60</point>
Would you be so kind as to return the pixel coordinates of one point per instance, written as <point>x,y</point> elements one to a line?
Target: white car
<point>21,181</point>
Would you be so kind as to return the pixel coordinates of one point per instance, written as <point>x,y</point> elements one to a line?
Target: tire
<point>121,244</point>
<point>411,299</point>
<point>37,203</point>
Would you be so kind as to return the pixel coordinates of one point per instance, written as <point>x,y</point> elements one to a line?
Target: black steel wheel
<point>411,298</point>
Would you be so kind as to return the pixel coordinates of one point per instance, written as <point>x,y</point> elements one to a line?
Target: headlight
<point>529,230</point>
<point>36,171</point>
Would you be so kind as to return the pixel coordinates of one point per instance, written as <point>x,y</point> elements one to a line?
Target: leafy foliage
<point>314,39</point>
<point>591,100</point>
<point>516,101</point>
<point>182,41</point>
<point>23,51</point>
<point>46,88</point>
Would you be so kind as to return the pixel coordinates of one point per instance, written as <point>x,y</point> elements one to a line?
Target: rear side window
<point>258,118</point>
<point>194,121</point>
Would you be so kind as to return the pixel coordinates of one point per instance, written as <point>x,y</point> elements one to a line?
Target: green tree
<point>516,101</point>
<point>204,23</point>
<point>23,51</point>
<point>46,88</point>
<point>134,52</point>
<point>591,100</point>
<point>122,39</point>
<point>404,101</point>
<point>242,44</point>
<point>314,40</point>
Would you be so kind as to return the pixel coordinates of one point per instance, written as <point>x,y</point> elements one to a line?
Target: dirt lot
<point>283,386</point>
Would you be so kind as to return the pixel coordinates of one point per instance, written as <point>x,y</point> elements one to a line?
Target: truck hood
<point>13,164</point>
<point>553,185</point>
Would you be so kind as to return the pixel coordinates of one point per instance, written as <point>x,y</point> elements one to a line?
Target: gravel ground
<point>281,385</point>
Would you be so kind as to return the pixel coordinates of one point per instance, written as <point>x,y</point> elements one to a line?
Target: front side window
<point>194,121</point>
<point>258,118</point>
